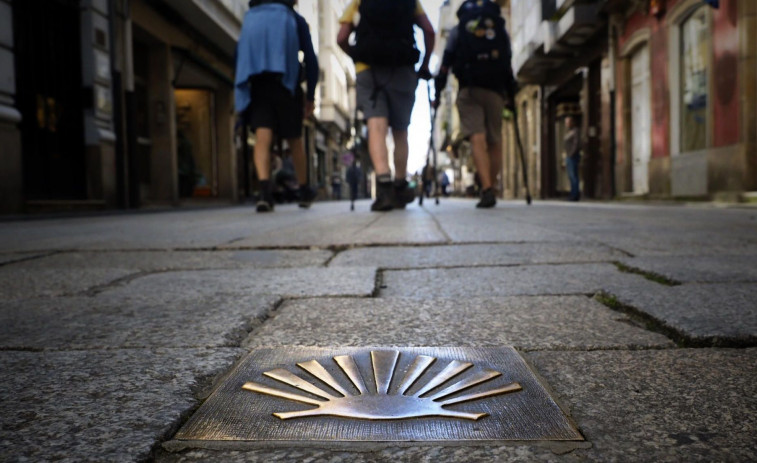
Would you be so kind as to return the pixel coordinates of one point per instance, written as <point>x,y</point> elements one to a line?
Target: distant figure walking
<point>267,87</point>
<point>478,51</point>
<point>572,155</point>
<point>385,57</point>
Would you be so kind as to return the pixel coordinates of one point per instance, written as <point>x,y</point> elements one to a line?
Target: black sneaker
<point>384,198</point>
<point>403,195</point>
<point>307,195</point>
<point>488,200</point>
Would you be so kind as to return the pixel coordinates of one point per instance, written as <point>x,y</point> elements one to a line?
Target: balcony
<point>563,25</point>
<point>220,21</point>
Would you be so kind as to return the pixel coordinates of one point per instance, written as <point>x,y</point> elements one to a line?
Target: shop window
<point>695,49</point>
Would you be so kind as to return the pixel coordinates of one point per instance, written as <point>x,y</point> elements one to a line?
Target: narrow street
<point>640,320</point>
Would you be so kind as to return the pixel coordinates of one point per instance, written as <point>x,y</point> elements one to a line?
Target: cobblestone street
<point>641,319</point>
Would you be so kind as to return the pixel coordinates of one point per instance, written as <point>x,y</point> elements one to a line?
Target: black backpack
<point>385,36</point>
<point>254,3</point>
<point>483,53</point>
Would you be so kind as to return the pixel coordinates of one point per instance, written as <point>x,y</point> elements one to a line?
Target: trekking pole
<point>431,147</point>
<point>522,156</point>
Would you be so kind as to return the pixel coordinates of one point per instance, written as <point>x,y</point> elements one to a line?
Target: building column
<point>227,159</point>
<point>163,163</point>
<point>11,166</point>
<point>97,79</point>
<point>748,34</point>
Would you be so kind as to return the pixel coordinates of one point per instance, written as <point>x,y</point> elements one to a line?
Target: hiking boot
<point>307,195</point>
<point>384,198</point>
<point>488,200</point>
<point>264,205</point>
<point>403,195</point>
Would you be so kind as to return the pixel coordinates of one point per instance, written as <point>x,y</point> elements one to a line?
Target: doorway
<point>49,96</point>
<point>196,143</point>
<point>640,122</point>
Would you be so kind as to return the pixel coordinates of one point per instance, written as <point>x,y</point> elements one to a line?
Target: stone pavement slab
<point>651,405</point>
<point>150,261</point>
<point>107,322</point>
<point>462,222</point>
<point>719,314</point>
<point>460,283</point>
<point>728,268</point>
<point>294,282</point>
<point>401,257</point>
<point>412,225</point>
<point>21,282</point>
<point>530,323</point>
<point>668,405</point>
<point>11,257</point>
<point>89,406</point>
<point>651,230</point>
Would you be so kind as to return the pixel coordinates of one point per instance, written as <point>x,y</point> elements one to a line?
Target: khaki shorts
<point>394,92</point>
<point>480,111</point>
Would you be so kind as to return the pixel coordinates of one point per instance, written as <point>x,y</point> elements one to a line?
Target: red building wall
<point>726,82</point>
<point>724,101</point>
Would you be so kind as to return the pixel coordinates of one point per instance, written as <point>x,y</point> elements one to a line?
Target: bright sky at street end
<point>420,122</point>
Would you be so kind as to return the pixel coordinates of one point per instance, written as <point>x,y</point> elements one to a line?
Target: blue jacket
<point>269,42</point>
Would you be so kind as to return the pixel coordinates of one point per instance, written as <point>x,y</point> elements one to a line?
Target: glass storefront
<point>695,45</point>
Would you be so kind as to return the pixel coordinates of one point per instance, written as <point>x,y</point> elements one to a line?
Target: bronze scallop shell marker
<point>378,400</point>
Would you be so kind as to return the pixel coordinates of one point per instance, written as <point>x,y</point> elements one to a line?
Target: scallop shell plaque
<point>378,400</point>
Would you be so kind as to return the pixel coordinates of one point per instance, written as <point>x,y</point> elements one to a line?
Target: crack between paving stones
<point>651,276</point>
<point>522,264</point>
<point>448,239</point>
<point>29,258</point>
<point>656,325</point>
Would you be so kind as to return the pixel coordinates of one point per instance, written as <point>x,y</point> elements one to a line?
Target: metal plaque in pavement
<point>410,394</point>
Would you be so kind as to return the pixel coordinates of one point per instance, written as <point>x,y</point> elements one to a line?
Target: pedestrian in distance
<point>572,154</point>
<point>478,51</point>
<point>385,55</point>
<point>354,177</point>
<point>268,91</point>
<point>336,185</point>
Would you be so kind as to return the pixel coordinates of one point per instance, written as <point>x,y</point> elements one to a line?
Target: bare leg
<point>401,150</point>
<point>377,130</point>
<point>481,158</point>
<point>264,138</point>
<point>297,145</point>
<point>495,160</point>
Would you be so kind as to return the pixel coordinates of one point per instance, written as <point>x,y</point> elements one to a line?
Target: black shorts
<point>273,107</point>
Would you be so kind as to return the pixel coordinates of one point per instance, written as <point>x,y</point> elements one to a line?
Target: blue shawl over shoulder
<point>268,43</point>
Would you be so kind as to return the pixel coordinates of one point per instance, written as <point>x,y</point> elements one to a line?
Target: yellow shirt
<point>352,11</point>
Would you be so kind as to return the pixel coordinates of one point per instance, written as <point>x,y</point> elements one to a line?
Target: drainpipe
<point>118,116</point>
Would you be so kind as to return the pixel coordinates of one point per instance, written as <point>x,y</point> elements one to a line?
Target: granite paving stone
<point>546,322</point>
<point>107,322</point>
<point>400,257</point>
<point>704,313</point>
<point>11,257</point>
<point>728,268</point>
<point>667,405</point>
<point>462,222</point>
<point>412,225</point>
<point>90,406</point>
<point>18,282</point>
<point>148,261</point>
<point>294,282</point>
<point>460,283</point>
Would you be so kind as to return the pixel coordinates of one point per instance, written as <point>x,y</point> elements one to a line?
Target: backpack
<point>483,53</point>
<point>384,35</point>
<point>289,3</point>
